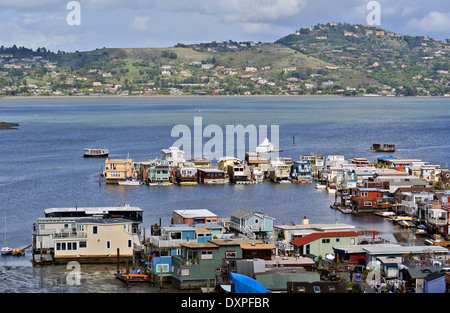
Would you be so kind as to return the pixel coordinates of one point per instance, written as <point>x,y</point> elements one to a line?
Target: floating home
<point>280,170</point>
<point>251,223</point>
<point>186,175</point>
<point>198,216</point>
<point>173,155</point>
<point>239,173</point>
<point>158,172</point>
<point>383,147</point>
<point>87,235</point>
<point>119,170</point>
<point>211,176</point>
<point>301,171</point>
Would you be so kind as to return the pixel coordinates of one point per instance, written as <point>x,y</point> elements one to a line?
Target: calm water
<point>42,164</point>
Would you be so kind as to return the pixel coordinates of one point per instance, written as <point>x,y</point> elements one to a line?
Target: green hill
<point>339,59</point>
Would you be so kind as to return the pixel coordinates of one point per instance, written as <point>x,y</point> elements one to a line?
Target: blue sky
<point>163,23</point>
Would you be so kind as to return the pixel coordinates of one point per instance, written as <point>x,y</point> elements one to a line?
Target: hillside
<point>324,59</point>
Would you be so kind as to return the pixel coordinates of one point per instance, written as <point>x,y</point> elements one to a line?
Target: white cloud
<point>139,23</point>
<point>432,22</point>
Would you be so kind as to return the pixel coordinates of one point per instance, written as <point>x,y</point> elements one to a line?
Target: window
<point>207,255</point>
<point>230,254</point>
<point>184,271</point>
<point>316,289</point>
<point>108,244</point>
<point>162,268</point>
<point>331,288</point>
<point>129,243</point>
<point>325,240</point>
<point>352,241</point>
<point>83,244</point>
<point>95,230</point>
<point>337,239</point>
<point>114,174</point>
<point>367,203</point>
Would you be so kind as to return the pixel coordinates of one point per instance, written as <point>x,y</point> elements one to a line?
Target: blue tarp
<point>245,284</point>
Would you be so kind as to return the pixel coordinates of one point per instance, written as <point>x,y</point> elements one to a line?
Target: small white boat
<point>331,189</point>
<point>6,251</point>
<point>319,186</point>
<point>130,183</point>
<point>385,214</point>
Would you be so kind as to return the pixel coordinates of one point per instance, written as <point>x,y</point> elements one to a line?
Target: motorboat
<point>319,186</point>
<point>129,182</point>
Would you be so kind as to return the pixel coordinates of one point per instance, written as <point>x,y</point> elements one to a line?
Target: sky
<point>90,24</point>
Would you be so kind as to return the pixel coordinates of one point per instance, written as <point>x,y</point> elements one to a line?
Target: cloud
<point>139,23</point>
<point>432,22</point>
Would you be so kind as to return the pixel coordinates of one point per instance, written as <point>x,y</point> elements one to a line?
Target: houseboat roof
<point>210,170</point>
<point>104,221</point>
<point>319,227</point>
<point>92,210</point>
<point>243,213</point>
<point>198,245</point>
<point>195,213</point>
<point>314,236</point>
<point>391,249</point>
<point>259,246</point>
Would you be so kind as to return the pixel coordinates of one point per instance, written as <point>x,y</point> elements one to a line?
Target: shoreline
<point>208,96</point>
<point>5,125</point>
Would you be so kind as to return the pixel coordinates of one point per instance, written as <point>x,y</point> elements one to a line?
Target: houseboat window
<point>41,227</point>
<point>108,244</point>
<point>337,239</point>
<point>256,221</point>
<point>184,272</point>
<point>352,241</point>
<point>316,289</point>
<point>129,243</point>
<point>63,246</point>
<point>331,288</point>
<point>325,240</point>
<point>230,254</point>
<point>367,203</point>
<point>301,289</point>
<point>58,246</point>
<point>364,194</point>
<point>175,235</point>
<point>83,244</point>
<point>164,268</point>
<point>192,254</point>
<point>81,228</point>
<point>207,255</point>
<point>94,230</point>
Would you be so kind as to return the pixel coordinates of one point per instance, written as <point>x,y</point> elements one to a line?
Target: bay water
<point>42,164</point>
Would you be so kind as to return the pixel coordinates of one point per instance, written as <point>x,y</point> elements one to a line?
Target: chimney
<point>305,221</point>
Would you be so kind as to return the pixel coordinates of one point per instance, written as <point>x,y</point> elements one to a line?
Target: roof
<point>244,213</point>
<point>93,210</point>
<point>322,227</point>
<point>104,221</point>
<point>314,236</point>
<point>249,246</point>
<point>195,213</point>
<point>198,245</point>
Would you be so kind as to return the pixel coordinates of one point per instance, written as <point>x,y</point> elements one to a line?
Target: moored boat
<point>319,186</point>
<point>96,153</point>
<point>130,182</point>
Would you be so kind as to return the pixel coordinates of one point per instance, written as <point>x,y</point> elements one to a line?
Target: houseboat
<point>301,171</point>
<point>173,155</point>
<point>239,173</point>
<point>280,170</point>
<point>210,176</point>
<point>158,173</point>
<point>95,153</point>
<point>383,147</point>
<point>257,175</point>
<point>186,176</point>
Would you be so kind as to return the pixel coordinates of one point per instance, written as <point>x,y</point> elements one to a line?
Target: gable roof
<point>314,236</point>
<point>244,214</point>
